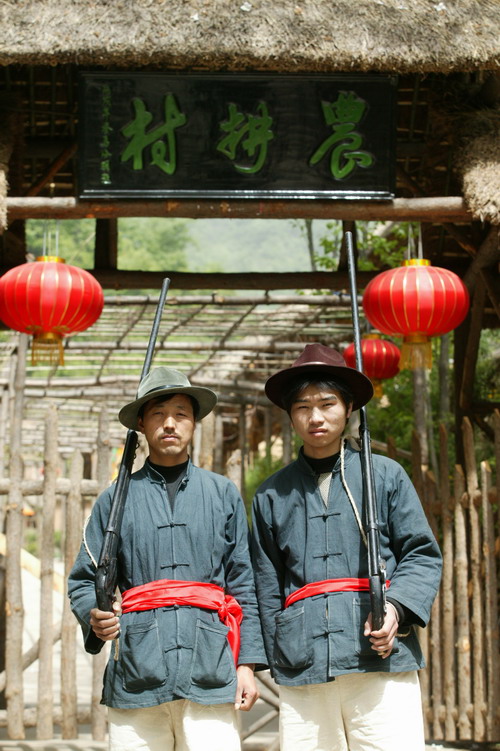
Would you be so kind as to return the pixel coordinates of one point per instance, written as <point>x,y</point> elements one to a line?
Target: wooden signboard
<point>236,136</point>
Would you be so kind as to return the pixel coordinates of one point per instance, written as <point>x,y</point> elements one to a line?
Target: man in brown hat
<point>343,686</point>
<point>187,635</point>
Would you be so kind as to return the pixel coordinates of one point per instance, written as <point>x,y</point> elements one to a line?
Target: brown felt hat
<point>321,361</point>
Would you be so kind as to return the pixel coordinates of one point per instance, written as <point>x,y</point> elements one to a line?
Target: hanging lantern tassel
<point>47,349</point>
<point>380,360</point>
<point>416,352</point>
<point>416,301</point>
<point>49,300</point>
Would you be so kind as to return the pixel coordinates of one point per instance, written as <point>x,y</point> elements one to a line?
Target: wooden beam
<point>121,279</point>
<point>426,209</point>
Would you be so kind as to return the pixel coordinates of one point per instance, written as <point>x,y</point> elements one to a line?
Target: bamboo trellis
<point>460,686</point>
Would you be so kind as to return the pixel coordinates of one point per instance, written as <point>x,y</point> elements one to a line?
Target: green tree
<point>153,244</point>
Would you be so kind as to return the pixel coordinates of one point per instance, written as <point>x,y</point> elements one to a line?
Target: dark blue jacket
<point>172,652</point>
<point>297,540</point>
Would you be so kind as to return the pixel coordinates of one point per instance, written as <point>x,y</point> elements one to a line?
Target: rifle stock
<point>107,572</point>
<point>376,565</point>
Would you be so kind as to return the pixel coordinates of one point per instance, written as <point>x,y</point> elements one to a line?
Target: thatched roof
<point>480,168</point>
<point>282,35</point>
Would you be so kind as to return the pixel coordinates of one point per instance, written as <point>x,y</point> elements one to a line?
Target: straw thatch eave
<point>479,165</point>
<point>401,36</point>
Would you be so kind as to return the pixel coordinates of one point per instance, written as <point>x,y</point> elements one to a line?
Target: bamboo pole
<point>462,616</point>
<point>478,677</point>
<point>73,528</point>
<point>98,711</point>
<point>14,533</point>
<point>491,609</point>
<point>447,592</point>
<point>45,726</point>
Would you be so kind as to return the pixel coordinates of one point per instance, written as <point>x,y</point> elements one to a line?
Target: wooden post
<point>218,443</point>
<point>462,600</point>
<point>98,711</point>
<point>420,412</point>
<point>447,594</point>
<point>14,533</point>
<point>496,426</point>
<point>268,433</point>
<point>207,427</point>
<point>418,482</point>
<point>243,448</point>
<point>45,725</point>
<point>72,537</point>
<point>478,681</point>
<point>233,468</point>
<point>490,609</point>
<point>286,433</point>
<point>435,640</point>
<point>4,411</point>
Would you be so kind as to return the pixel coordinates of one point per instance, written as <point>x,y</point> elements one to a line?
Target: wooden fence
<point>460,686</point>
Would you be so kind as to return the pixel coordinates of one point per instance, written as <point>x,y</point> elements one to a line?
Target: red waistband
<point>165,592</point>
<point>329,585</point>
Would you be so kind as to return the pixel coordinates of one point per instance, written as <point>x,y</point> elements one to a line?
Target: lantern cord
<point>420,244</point>
<point>410,248</point>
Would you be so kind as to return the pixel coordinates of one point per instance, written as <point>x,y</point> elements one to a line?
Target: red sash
<point>164,592</point>
<point>329,585</point>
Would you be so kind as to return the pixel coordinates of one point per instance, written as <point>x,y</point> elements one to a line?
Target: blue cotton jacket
<point>298,540</point>
<point>178,651</point>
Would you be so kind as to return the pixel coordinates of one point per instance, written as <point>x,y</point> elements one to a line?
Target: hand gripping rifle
<point>376,565</point>
<point>106,575</point>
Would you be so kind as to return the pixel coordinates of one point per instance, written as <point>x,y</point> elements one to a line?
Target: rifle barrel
<point>376,566</point>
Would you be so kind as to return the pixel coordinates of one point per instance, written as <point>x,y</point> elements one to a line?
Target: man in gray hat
<point>186,635</point>
<point>343,685</point>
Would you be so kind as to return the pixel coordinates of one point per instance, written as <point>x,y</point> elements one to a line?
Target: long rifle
<point>107,573</point>
<point>376,565</point>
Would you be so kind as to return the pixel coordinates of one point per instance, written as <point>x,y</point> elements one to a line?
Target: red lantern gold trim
<point>49,299</point>
<point>380,360</point>
<point>416,301</point>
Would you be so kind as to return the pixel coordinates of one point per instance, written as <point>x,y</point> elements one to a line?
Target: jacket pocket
<point>213,663</point>
<point>363,645</point>
<point>142,657</point>
<point>290,643</point>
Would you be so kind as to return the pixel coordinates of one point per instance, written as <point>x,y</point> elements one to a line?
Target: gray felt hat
<point>163,382</point>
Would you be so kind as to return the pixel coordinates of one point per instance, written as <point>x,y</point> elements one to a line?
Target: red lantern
<point>50,300</point>
<point>416,301</point>
<point>380,360</point>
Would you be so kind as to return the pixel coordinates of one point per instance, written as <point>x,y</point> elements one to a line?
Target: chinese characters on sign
<point>256,128</point>
<point>161,139</point>
<point>222,136</point>
<point>343,115</point>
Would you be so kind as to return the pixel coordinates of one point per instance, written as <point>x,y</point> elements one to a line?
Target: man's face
<point>168,425</point>
<point>319,418</point>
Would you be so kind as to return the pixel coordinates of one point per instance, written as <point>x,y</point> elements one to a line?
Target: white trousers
<point>355,712</point>
<point>179,725</point>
